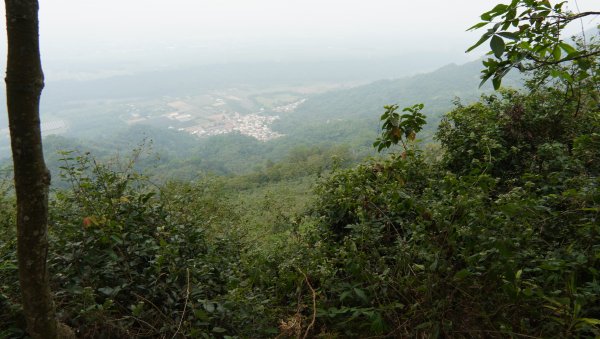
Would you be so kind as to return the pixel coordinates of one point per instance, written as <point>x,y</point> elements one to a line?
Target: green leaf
<point>509,35</point>
<point>476,26</point>
<point>511,14</point>
<point>485,78</point>
<point>361,294</point>
<point>209,306</point>
<point>486,16</point>
<point>567,48</point>
<point>483,39</point>
<point>219,330</point>
<point>557,53</point>
<point>8,266</point>
<point>377,324</point>
<point>584,64</point>
<point>460,275</point>
<point>496,81</point>
<point>590,321</point>
<point>106,290</point>
<point>561,74</point>
<point>116,239</point>
<point>344,295</point>
<point>497,45</point>
<point>499,9</point>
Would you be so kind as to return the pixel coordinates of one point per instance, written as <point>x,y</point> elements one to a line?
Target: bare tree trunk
<point>24,84</point>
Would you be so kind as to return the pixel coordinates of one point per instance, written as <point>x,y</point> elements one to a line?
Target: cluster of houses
<point>254,125</point>
<point>211,120</point>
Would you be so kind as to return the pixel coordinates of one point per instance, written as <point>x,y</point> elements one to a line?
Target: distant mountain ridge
<point>437,90</point>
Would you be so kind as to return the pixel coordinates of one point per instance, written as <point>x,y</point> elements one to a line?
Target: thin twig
<point>151,303</point>
<point>314,302</point>
<point>138,320</point>
<point>187,295</point>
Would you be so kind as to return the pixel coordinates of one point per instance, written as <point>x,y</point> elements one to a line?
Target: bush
<point>499,238</point>
<point>130,259</point>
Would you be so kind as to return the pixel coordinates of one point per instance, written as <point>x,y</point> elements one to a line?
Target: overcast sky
<point>145,32</point>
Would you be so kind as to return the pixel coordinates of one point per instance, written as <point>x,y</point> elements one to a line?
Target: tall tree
<point>24,84</point>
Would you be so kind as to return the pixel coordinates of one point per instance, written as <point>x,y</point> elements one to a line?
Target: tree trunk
<point>24,83</point>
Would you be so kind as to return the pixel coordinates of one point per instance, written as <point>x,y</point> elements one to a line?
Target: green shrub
<point>499,238</point>
<point>130,259</point>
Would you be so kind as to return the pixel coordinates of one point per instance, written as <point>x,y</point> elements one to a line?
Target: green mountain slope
<point>437,90</point>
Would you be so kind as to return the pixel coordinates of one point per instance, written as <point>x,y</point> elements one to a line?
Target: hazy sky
<point>139,33</point>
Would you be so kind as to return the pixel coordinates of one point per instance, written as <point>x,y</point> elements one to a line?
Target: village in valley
<point>209,115</point>
<point>249,112</point>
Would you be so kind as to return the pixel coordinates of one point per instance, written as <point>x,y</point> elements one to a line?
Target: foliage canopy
<point>529,35</point>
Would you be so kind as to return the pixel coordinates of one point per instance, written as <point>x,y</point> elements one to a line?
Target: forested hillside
<point>436,89</point>
<point>470,213</point>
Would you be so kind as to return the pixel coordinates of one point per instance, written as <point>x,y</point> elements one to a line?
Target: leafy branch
<point>400,128</point>
<point>526,34</point>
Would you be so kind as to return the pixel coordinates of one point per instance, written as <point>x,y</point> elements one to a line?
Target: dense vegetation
<point>491,230</point>
<point>493,233</point>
